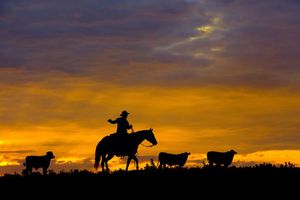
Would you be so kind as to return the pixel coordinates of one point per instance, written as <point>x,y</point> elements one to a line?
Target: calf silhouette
<point>38,162</point>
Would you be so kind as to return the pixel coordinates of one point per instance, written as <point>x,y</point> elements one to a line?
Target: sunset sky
<point>204,74</point>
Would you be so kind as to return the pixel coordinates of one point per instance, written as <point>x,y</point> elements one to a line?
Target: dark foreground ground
<point>197,183</point>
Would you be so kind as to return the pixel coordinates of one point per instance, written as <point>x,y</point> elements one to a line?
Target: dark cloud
<point>66,166</point>
<point>121,41</point>
<point>57,143</point>
<point>260,42</point>
<point>73,37</point>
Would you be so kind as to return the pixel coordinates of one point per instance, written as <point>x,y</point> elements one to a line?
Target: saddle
<point>120,144</point>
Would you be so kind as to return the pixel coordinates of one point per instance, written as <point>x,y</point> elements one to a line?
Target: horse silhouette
<point>109,146</point>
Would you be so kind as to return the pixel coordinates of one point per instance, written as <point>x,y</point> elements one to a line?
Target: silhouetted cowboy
<point>123,124</point>
<point>121,133</point>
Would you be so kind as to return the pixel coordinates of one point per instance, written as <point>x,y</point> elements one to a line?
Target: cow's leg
<point>44,170</point>
<point>29,170</point>
<point>128,162</point>
<point>136,161</point>
<point>160,165</point>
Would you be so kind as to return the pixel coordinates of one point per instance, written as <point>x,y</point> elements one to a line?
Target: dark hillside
<point>264,180</point>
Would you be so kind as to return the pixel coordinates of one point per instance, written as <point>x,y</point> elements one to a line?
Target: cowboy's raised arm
<point>113,121</point>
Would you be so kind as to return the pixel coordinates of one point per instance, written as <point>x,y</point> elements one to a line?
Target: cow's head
<point>50,154</point>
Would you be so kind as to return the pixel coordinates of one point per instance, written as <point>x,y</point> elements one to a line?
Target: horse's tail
<point>98,155</point>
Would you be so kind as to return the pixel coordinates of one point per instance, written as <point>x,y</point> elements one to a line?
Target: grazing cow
<point>220,158</point>
<point>38,162</point>
<point>172,159</point>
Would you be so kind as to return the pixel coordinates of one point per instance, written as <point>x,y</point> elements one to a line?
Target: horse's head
<point>150,137</point>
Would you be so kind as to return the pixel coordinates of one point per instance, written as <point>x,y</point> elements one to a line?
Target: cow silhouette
<point>172,159</point>
<point>37,162</point>
<point>220,158</point>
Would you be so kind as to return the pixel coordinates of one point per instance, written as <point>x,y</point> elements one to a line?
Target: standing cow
<point>172,159</point>
<point>38,162</point>
<point>220,158</point>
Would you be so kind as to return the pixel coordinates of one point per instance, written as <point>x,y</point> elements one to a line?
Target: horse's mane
<point>139,132</point>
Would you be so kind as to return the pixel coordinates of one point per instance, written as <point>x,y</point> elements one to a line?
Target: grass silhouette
<point>262,179</point>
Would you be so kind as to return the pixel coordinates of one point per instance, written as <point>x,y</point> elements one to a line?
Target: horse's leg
<point>136,161</point>
<point>102,162</point>
<point>128,162</point>
<point>110,156</point>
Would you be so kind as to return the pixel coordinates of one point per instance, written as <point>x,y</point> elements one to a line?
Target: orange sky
<point>196,119</point>
<point>205,75</point>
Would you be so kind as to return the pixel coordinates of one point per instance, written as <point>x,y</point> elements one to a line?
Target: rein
<point>148,145</point>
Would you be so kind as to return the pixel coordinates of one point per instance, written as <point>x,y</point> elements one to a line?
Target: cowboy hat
<point>124,113</point>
